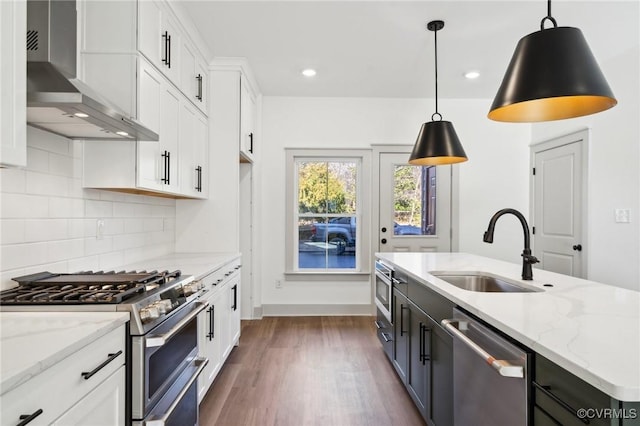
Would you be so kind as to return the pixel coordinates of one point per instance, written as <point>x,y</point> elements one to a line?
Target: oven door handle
<point>155,341</point>
<point>201,363</point>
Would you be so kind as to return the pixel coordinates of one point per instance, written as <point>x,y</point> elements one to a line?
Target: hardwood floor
<point>295,371</point>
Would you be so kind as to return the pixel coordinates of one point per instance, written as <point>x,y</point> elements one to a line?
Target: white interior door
<point>415,206</point>
<point>559,188</point>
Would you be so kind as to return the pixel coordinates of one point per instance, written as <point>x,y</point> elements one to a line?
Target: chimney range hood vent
<point>56,100</point>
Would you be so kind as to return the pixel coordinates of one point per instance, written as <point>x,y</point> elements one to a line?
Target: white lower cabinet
<point>218,325</point>
<point>103,406</point>
<point>81,389</point>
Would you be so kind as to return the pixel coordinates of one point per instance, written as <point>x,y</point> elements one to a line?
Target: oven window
<point>382,292</point>
<point>169,357</point>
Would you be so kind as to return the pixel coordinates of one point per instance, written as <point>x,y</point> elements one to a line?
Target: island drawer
<point>60,386</point>
<point>400,281</point>
<point>562,398</point>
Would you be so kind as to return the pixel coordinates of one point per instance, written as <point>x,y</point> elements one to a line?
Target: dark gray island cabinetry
<point>422,350</point>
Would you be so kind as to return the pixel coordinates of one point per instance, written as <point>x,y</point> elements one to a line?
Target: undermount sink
<point>482,282</point>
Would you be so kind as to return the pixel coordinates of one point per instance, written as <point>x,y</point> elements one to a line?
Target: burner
<point>85,287</point>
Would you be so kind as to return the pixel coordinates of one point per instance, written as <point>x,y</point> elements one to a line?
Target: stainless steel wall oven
<point>383,289</point>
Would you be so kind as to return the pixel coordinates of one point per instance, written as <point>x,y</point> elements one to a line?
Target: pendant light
<point>437,141</point>
<point>552,76</point>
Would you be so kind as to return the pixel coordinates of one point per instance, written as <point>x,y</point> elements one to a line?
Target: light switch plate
<point>622,216</point>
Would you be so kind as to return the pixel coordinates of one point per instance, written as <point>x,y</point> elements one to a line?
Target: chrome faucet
<point>527,258</point>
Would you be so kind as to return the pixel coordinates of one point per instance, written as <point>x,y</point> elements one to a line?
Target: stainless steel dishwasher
<point>490,376</point>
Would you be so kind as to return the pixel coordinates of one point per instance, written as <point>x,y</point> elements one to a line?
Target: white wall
<point>48,221</point>
<point>614,175</point>
<point>495,176</point>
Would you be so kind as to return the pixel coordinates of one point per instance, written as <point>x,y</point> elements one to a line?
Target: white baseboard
<point>316,310</point>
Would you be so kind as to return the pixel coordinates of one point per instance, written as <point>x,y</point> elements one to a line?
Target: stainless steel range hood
<point>56,100</point>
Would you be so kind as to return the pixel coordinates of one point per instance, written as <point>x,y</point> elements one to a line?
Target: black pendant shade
<point>552,76</point>
<point>437,144</point>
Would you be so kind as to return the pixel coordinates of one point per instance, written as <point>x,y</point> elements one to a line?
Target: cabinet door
<point>223,319</point>
<point>440,375</point>
<point>171,48</point>
<point>209,342</point>
<point>169,134</point>
<point>202,154</point>
<point>103,406</point>
<point>400,334</point>
<point>13,100</point>
<point>247,111</point>
<point>234,309</point>
<point>420,330</point>
<point>188,82</point>
<point>188,159</point>
<point>150,37</point>
<point>202,85</point>
<point>150,95</point>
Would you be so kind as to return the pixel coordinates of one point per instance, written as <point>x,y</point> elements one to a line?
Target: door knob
<point>577,247</point>
<point>383,241</point>
<point>384,229</point>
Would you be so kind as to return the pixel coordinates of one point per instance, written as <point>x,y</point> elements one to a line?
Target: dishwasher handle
<point>505,368</point>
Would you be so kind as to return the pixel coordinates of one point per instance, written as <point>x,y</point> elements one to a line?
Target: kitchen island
<point>590,329</point>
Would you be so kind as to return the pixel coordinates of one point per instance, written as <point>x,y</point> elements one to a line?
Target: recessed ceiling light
<point>472,75</point>
<point>309,72</point>
<point>81,115</point>
<point>122,133</point>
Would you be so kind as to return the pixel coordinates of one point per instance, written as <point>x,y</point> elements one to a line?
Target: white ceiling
<point>382,48</point>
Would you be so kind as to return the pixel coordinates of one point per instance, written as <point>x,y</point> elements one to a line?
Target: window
<point>325,202</point>
<point>414,200</point>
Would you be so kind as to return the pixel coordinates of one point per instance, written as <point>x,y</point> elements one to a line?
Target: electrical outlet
<point>100,229</point>
<point>622,216</point>
<point>278,283</point>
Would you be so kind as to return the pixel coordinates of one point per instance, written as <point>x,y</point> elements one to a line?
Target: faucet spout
<point>527,258</point>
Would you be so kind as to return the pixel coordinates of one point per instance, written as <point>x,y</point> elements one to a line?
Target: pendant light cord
<point>435,38</point>
<point>548,17</point>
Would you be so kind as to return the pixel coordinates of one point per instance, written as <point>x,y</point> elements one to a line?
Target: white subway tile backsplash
<point>61,165</point>
<point>48,221</point>
<point>95,246</point>
<point>46,184</point>
<point>22,206</point>
<point>22,255</point>
<point>37,160</point>
<point>93,208</point>
<point>12,231</point>
<point>65,249</point>
<point>66,207</point>
<point>12,180</point>
<point>47,141</point>
<point>45,230</point>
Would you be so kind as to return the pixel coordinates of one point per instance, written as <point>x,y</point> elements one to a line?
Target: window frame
<point>362,158</point>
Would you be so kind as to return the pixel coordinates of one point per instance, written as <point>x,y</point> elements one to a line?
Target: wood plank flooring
<point>299,371</point>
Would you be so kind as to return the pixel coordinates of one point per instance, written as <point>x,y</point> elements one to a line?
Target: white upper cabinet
<point>13,72</point>
<point>141,73</point>
<point>193,76</point>
<point>247,121</point>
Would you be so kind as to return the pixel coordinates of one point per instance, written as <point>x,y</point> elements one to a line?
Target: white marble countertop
<point>31,342</point>
<point>588,328</point>
<point>196,264</point>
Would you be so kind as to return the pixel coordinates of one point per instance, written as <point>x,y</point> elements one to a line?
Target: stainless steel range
<point>162,363</point>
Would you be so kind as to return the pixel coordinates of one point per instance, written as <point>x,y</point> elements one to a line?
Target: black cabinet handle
<point>426,356</point>
<point>235,297</point>
<point>199,94</point>
<point>251,143</point>
<point>421,344</point>
<point>169,61</point>
<point>165,171</point>
<point>110,357</point>
<point>402,308</point>
<point>211,312</point>
<point>27,418</point>
<point>168,168</point>
<point>166,37</point>
<point>547,391</point>
<point>199,179</point>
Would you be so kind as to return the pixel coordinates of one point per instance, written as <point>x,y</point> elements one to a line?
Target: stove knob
<point>149,313</point>
<point>163,306</point>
